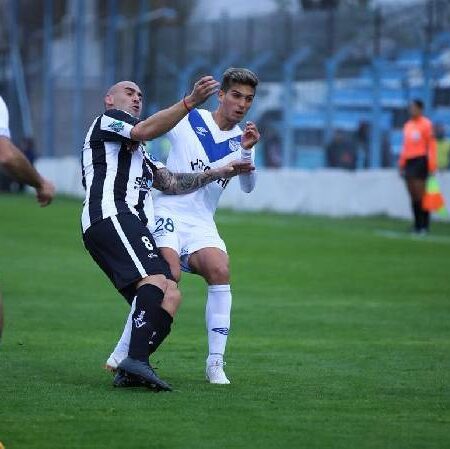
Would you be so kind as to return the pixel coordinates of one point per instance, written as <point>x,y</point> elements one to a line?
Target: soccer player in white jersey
<point>118,175</point>
<point>14,162</point>
<point>185,229</point>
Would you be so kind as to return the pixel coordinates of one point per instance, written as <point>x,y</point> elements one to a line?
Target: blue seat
<point>342,119</point>
<point>310,158</point>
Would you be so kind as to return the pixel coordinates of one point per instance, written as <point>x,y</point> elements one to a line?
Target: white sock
<point>217,315</point>
<point>124,343</point>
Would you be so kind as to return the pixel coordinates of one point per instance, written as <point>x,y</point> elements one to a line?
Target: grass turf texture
<point>340,338</point>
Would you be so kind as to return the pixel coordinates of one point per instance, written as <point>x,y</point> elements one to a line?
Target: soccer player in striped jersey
<point>185,229</point>
<point>118,175</point>
<point>14,162</point>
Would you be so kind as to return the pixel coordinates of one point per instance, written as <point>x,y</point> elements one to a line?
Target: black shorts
<point>416,167</point>
<point>123,247</point>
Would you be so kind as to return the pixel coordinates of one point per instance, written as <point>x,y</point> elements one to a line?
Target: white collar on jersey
<point>218,134</point>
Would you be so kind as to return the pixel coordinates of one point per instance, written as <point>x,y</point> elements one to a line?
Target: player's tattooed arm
<point>180,183</point>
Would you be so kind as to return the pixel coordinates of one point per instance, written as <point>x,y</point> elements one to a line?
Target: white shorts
<point>185,238</point>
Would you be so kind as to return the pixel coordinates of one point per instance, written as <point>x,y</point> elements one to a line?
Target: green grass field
<point>340,339</point>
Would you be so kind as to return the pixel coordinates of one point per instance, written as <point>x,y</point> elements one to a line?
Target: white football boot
<point>215,373</point>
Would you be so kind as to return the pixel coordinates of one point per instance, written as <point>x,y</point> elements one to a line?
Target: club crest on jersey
<point>201,130</point>
<point>116,126</point>
<point>234,145</point>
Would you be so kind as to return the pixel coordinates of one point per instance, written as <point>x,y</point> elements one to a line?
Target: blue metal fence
<point>321,73</point>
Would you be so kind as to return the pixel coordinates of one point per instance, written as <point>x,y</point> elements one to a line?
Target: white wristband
<point>246,155</point>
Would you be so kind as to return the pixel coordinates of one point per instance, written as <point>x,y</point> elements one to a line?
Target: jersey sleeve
<point>4,120</point>
<point>175,132</point>
<point>116,125</point>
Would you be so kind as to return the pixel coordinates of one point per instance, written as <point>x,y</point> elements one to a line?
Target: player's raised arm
<point>164,120</point>
<point>181,183</point>
<point>249,138</point>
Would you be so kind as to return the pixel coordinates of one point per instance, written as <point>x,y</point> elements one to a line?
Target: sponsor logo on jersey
<point>143,183</point>
<point>234,145</point>
<point>116,126</point>
<point>223,182</point>
<point>199,165</point>
<point>201,130</point>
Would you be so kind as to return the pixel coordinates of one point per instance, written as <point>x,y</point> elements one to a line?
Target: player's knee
<point>176,273</point>
<point>172,298</point>
<point>158,280</point>
<point>218,274</point>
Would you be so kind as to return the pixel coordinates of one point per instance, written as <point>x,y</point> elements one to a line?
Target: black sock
<point>164,323</point>
<point>145,326</point>
<point>417,210</point>
<point>425,220</point>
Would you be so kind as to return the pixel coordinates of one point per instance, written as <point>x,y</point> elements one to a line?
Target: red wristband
<point>185,105</point>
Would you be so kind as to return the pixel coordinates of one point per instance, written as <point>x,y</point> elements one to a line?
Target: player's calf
<point>160,315</point>
<point>172,298</point>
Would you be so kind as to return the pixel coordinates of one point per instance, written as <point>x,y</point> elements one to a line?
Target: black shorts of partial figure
<point>416,167</point>
<point>123,247</point>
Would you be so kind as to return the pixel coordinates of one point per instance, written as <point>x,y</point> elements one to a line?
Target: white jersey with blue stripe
<point>198,144</point>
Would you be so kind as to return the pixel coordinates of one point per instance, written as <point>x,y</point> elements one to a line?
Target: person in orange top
<point>417,160</point>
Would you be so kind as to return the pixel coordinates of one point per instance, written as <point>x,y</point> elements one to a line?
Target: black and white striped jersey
<point>117,171</point>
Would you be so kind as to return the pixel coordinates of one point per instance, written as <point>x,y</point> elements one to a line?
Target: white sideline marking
<point>417,238</point>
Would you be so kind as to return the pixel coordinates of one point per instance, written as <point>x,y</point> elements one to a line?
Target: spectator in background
<point>272,149</point>
<point>362,139</point>
<point>443,148</point>
<point>363,147</point>
<point>341,151</point>
<point>386,152</point>
<point>417,161</point>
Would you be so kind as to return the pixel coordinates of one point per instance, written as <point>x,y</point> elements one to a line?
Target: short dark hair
<point>418,103</point>
<point>235,75</point>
